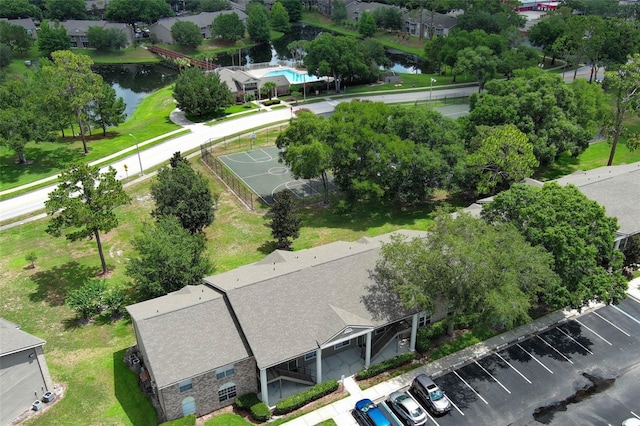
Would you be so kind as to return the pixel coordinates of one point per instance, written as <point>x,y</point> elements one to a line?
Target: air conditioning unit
<point>48,397</point>
<point>37,405</point>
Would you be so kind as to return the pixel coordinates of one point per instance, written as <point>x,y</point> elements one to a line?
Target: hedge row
<point>271,102</point>
<point>188,420</point>
<point>250,402</point>
<point>390,364</point>
<point>294,402</point>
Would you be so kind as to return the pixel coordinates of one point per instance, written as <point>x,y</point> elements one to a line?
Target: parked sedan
<point>430,394</point>
<point>368,414</point>
<point>407,408</point>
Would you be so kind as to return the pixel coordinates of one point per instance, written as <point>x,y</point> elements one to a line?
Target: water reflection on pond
<point>133,82</point>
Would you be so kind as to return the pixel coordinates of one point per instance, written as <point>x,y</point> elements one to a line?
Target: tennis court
<point>260,170</point>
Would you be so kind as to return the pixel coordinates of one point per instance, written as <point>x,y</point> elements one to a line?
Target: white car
<point>631,422</point>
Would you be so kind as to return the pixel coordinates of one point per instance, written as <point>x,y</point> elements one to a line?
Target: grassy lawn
<point>227,420</point>
<point>131,55</point>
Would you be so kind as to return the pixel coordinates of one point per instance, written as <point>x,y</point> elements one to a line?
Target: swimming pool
<point>293,76</point>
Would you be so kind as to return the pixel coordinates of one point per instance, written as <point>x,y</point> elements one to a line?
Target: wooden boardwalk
<point>171,54</point>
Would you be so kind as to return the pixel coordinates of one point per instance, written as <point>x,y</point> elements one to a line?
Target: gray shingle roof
<point>617,188</point>
<point>300,300</point>
<point>202,19</point>
<point>12,339</point>
<point>187,333</point>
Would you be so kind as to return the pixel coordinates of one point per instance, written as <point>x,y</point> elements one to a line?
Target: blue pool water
<point>293,77</point>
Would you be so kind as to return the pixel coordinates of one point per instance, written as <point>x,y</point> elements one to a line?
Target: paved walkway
<point>340,411</point>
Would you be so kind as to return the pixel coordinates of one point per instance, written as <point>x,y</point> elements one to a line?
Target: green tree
<point>169,258</point>
<point>22,117</point>
<point>15,9</point>
<point>285,220</point>
<point>280,18</point>
<point>83,205</point>
<point>104,39</point>
<point>15,36</point>
<point>228,27</point>
<point>87,301</point>
<point>131,11</point>
<point>505,156</point>
<point>338,11</point>
<point>69,77</point>
<point>486,273</point>
<point>479,62</point>
<point>6,55</point>
<point>63,10</point>
<point>294,9</point>
<point>182,192</point>
<point>200,94</point>
<point>367,24</point>
<point>268,88</point>
<point>624,83</point>
<point>303,148</point>
<point>575,230</point>
<point>106,109</point>
<point>52,38</point>
<point>214,5</point>
<point>545,33</point>
<point>389,18</point>
<point>186,34</point>
<point>258,23</point>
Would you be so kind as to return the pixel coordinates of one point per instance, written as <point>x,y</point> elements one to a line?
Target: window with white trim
<point>341,344</point>
<point>186,385</point>
<point>309,355</point>
<point>227,391</point>
<point>424,318</point>
<point>224,372</point>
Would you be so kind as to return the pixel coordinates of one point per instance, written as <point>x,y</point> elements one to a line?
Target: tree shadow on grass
<point>42,162</point>
<point>54,284</point>
<point>134,403</point>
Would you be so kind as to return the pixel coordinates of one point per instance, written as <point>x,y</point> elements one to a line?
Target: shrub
<point>390,364</point>
<point>294,402</point>
<point>250,402</point>
<point>271,102</point>
<point>87,300</point>
<point>260,412</point>
<point>423,340</point>
<point>188,420</point>
<point>114,302</point>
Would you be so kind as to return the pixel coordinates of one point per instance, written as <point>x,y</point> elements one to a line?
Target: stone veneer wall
<point>205,390</point>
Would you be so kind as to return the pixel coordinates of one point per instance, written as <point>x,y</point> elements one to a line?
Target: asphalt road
<point>583,372</point>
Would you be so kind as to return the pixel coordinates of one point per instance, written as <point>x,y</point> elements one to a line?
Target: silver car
<point>407,408</point>
<point>430,394</point>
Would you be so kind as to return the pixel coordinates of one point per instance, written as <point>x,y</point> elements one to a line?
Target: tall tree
<point>547,31</point>
<point>294,9</point>
<point>131,11</point>
<point>63,10</point>
<point>228,27</point>
<point>199,94</point>
<point>83,205</point>
<point>106,109</point>
<point>15,9</point>
<point>15,36</point>
<point>367,24</point>
<point>169,258</point>
<point>480,62</point>
<point>69,77</point>
<point>186,34</point>
<point>488,274</point>
<point>575,230</point>
<point>280,18</point>
<point>624,83</point>
<point>338,11</point>
<point>105,39</point>
<point>258,23</point>
<point>504,156</point>
<point>184,193</point>
<point>285,221</point>
<point>303,148</point>
<point>52,38</point>
<point>214,5</point>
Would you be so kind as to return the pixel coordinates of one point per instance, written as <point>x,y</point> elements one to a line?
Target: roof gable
<point>13,340</point>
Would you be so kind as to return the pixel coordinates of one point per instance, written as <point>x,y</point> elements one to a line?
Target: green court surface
<point>260,170</point>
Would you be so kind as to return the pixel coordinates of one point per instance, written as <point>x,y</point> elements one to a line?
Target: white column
<point>616,244</point>
<point>414,332</point>
<point>264,388</point>
<point>367,357</point>
<point>319,365</point>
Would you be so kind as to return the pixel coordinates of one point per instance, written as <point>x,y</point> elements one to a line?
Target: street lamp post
<point>433,80</point>
<point>139,157</point>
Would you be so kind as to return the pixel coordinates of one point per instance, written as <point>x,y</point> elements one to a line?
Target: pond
<point>276,50</point>
<point>133,82</point>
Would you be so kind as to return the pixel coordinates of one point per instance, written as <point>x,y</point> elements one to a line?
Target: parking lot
<point>585,371</point>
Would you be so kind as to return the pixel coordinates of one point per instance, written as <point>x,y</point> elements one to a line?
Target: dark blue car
<point>369,414</point>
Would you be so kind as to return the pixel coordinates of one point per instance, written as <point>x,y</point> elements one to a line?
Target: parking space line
<point>576,342</point>
<point>634,414</point>
<point>609,322</point>
<point>432,419</point>
<point>557,351</point>
<point>514,369</point>
<point>534,358</point>
<point>455,406</point>
<point>469,386</point>
<point>491,375</point>
<point>606,341</point>
<point>624,313</point>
